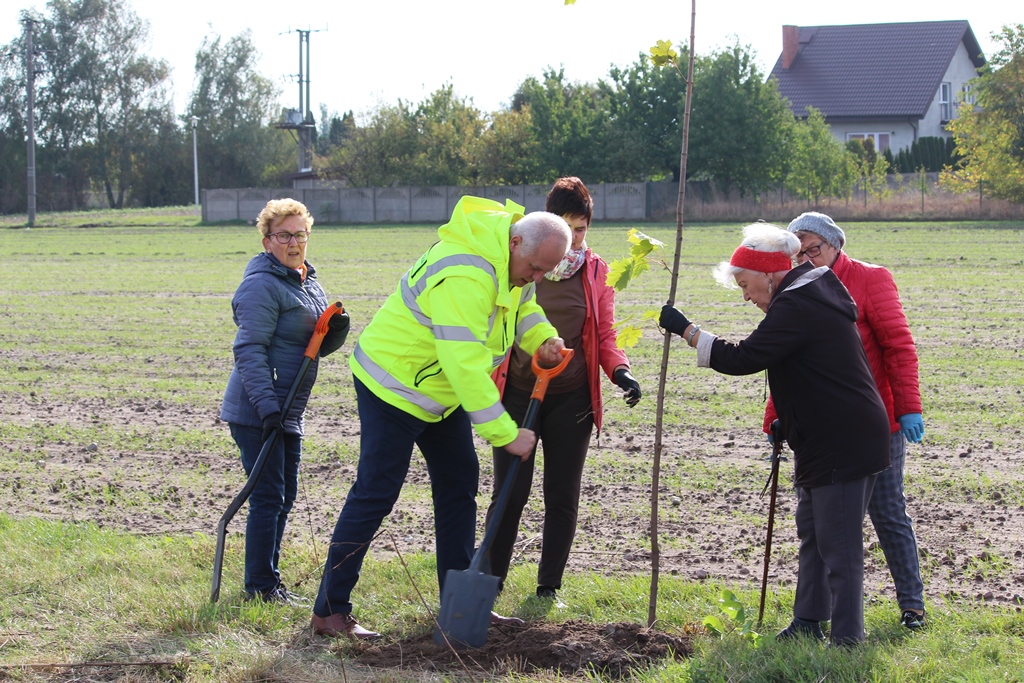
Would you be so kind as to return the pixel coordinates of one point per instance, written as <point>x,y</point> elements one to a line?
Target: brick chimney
<point>790,45</point>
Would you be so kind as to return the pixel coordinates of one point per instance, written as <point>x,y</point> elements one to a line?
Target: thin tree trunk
<point>652,611</point>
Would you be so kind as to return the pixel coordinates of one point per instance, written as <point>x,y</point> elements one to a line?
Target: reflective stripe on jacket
<point>433,344</point>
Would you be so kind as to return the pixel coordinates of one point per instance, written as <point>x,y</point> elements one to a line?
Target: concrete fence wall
<point>651,201</point>
<point>354,205</point>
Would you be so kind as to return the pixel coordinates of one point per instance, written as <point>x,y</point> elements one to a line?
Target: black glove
<point>271,423</point>
<point>624,378</point>
<point>339,324</point>
<point>673,320</point>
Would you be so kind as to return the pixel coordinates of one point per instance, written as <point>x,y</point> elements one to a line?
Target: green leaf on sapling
<point>662,53</point>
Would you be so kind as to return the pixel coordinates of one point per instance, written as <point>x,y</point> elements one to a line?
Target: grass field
<point>115,347</point>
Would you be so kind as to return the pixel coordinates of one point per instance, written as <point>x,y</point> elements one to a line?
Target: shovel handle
<point>545,375</point>
<point>323,326</point>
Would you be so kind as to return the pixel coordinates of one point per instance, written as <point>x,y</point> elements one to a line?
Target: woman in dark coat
<point>276,308</point>
<point>829,410</point>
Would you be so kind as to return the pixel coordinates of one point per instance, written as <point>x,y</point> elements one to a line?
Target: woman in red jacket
<point>892,355</point>
<point>581,306</point>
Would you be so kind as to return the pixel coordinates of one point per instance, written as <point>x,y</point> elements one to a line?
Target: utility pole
<point>195,161</point>
<point>30,76</point>
<point>301,120</point>
<point>306,131</point>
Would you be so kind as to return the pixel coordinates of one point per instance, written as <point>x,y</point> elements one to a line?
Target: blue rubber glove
<point>912,426</point>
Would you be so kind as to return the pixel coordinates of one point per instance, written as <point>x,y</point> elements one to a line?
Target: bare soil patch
<point>569,647</point>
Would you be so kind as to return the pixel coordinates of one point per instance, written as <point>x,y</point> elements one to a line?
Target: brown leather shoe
<point>506,621</point>
<point>338,625</point>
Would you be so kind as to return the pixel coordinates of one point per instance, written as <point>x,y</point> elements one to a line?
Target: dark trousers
<point>564,425</point>
<point>269,504</point>
<point>387,436</point>
<point>830,583</point>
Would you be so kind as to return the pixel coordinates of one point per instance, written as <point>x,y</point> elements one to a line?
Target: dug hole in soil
<point>568,647</point>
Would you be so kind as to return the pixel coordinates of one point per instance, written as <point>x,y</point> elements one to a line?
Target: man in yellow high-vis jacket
<point>422,373</point>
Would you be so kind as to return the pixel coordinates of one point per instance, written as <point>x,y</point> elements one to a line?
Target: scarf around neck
<point>570,263</point>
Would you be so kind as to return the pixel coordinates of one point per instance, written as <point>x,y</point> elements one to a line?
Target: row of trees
<point>624,128</point>
<point>105,124</point>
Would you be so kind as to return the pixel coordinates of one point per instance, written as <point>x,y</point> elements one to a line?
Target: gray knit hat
<point>820,225</point>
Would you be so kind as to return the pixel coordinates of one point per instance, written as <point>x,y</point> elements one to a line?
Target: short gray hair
<point>759,237</point>
<point>538,227</point>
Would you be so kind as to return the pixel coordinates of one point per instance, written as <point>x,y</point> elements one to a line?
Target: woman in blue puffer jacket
<point>276,309</point>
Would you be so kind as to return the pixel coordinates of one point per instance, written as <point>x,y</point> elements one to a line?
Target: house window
<point>969,97</point>
<point>880,140</point>
<point>945,102</point>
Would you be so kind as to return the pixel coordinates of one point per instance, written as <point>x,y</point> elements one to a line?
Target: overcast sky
<point>363,53</point>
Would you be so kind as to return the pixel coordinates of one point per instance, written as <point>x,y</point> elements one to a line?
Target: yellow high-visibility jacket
<point>433,344</point>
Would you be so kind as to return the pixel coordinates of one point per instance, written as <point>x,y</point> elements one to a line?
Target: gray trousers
<point>830,584</point>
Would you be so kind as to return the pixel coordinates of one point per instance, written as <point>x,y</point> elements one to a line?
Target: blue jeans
<point>269,504</point>
<point>387,435</point>
<point>895,529</point>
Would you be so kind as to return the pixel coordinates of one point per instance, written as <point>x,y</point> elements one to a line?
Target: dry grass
<point>903,207</point>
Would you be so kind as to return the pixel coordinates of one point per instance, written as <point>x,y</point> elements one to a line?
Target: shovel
<point>312,350</point>
<point>468,596</point>
<point>773,481</point>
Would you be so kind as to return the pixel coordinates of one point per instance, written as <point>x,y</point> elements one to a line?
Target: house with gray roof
<point>893,82</point>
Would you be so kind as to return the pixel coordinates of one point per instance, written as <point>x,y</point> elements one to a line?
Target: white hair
<point>759,237</point>
<point>537,227</point>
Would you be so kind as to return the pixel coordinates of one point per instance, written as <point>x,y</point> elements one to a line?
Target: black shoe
<point>546,592</point>
<point>799,628</point>
<point>279,594</point>
<point>912,620</point>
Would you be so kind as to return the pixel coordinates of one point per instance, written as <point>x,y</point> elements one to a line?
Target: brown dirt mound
<point>567,647</point>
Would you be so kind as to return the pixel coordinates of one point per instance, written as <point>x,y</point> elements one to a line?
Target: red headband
<point>760,261</point>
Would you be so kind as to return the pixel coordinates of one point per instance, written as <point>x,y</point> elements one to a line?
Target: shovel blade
<point>466,604</point>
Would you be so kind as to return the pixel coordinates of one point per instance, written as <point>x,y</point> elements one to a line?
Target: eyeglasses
<point>811,252</point>
<point>300,237</point>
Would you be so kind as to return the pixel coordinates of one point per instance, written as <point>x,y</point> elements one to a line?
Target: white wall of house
<point>960,71</point>
<point>900,133</point>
